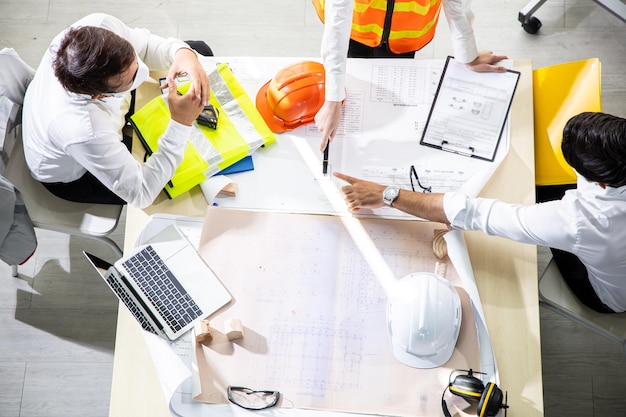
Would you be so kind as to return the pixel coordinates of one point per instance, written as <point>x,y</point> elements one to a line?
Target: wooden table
<point>505,271</point>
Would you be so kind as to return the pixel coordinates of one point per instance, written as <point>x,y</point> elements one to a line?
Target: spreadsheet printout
<point>470,110</point>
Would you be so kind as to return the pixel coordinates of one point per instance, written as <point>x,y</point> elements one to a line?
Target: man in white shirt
<point>586,228</point>
<point>74,111</point>
<point>337,46</point>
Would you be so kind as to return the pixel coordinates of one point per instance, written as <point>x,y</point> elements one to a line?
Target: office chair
<point>50,212</point>
<point>46,210</point>
<point>532,25</point>
<point>556,295</point>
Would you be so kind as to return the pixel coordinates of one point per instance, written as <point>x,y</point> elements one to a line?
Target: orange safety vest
<point>413,23</point>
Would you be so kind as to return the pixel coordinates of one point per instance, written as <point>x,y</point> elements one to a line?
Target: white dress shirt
<point>337,27</point>
<point>66,134</point>
<point>589,222</point>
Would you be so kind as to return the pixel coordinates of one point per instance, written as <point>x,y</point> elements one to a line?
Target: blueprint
<point>384,114</point>
<point>313,305</point>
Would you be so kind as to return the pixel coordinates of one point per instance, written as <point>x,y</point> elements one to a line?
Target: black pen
<point>325,160</point>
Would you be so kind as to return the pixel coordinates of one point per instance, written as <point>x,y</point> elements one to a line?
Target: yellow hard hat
<point>293,97</point>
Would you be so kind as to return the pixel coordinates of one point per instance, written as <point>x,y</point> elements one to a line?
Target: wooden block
<point>229,189</point>
<point>202,330</point>
<point>233,329</point>
<point>440,248</point>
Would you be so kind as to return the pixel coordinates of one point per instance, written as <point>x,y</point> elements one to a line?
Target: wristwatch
<point>390,194</point>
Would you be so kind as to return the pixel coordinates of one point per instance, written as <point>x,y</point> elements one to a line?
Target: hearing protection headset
<point>471,388</point>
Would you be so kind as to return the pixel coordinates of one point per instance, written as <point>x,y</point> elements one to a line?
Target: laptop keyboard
<point>162,288</point>
<point>123,294</point>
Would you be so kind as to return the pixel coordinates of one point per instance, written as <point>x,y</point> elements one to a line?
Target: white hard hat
<point>424,319</point>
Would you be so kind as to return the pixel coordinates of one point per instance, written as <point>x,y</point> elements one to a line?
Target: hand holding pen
<point>325,159</point>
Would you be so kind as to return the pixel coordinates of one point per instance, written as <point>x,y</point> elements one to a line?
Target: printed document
<point>470,110</point>
<point>386,107</point>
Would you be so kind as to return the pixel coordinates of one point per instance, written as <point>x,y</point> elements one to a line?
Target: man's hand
<point>484,62</point>
<point>327,119</point>
<point>184,109</point>
<point>186,62</point>
<point>360,193</point>
<point>366,194</point>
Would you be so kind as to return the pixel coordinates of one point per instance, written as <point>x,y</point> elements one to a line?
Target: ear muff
<point>467,386</point>
<point>490,401</point>
<point>489,397</point>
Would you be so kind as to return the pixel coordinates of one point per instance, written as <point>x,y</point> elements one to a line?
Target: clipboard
<point>470,110</point>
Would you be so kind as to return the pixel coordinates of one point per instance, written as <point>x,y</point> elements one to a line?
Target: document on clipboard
<point>470,110</point>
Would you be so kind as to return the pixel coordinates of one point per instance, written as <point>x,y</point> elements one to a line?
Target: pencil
<point>325,160</point>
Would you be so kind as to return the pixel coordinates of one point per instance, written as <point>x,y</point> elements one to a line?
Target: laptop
<point>165,284</point>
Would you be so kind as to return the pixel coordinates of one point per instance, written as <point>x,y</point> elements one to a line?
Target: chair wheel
<point>532,25</point>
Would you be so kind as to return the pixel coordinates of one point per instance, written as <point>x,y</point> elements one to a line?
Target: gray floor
<point>58,319</point>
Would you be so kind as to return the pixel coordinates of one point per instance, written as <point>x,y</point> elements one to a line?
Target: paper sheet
<point>384,114</point>
<point>176,362</point>
<point>173,359</point>
<point>314,313</point>
<point>469,110</point>
<point>212,186</point>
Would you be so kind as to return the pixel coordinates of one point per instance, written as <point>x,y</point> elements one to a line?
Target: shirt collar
<point>592,187</point>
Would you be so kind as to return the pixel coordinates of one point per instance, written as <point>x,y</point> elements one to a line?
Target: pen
<point>325,160</point>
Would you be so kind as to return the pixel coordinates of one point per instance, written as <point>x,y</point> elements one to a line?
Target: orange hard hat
<point>293,97</point>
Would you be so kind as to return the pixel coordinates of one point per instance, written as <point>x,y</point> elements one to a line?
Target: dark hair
<point>88,56</point>
<point>594,144</point>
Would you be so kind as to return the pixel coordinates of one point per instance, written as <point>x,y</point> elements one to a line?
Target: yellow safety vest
<point>412,26</point>
<point>241,130</point>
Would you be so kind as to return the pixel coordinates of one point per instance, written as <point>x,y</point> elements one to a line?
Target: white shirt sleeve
<point>546,224</point>
<point>334,51</point>
<point>460,19</point>
<point>138,184</point>
<point>102,153</point>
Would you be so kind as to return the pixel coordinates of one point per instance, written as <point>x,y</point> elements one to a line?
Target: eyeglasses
<point>413,174</point>
<point>252,399</point>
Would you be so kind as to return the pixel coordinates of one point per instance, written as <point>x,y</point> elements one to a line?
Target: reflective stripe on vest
<point>413,23</point>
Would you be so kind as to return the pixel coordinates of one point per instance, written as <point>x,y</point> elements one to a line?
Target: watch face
<point>390,194</point>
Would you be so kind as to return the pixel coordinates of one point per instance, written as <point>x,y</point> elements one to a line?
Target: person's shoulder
<point>93,19</point>
<point>104,20</point>
<point>77,119</point>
